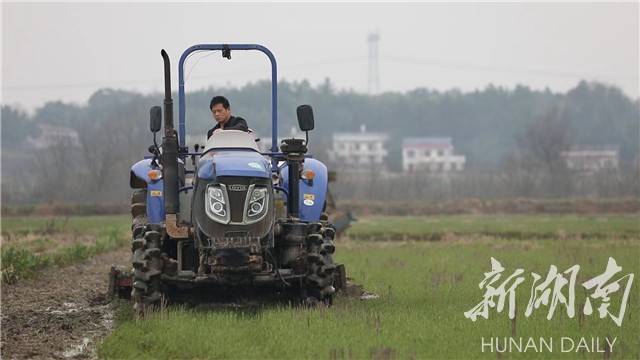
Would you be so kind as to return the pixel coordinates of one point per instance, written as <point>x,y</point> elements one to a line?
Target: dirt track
<point>61,314</point>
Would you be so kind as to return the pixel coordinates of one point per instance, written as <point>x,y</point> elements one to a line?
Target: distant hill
<point>483,124</point>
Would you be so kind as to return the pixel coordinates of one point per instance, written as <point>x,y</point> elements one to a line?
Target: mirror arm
<point>156,151</point>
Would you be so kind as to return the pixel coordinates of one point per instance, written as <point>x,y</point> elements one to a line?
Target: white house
<point>592,159</point>
<point>358,149</point>
<point>51,135</point>
<point>430,154</point>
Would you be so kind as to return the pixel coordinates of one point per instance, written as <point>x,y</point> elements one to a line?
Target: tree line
<point>512,139</point>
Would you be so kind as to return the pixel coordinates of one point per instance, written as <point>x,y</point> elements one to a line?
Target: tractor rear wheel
<point>320,265</point>
<point>147,256</point>
<point>139,212</point>
<point>147,270</point>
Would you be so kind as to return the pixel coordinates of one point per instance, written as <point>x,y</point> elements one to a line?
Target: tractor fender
<point>312,193</point>
<point>155,198</point>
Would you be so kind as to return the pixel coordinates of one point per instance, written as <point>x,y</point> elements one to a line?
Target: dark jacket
<point>234,123</point>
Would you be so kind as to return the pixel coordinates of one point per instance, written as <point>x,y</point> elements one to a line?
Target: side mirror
<point>156,119</point>
<point>305,117</point>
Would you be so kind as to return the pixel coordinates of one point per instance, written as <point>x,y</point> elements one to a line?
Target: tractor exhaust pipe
<point>169,157</point>
<point>168,102</point>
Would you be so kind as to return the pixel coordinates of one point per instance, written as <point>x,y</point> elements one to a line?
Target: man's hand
<point>217,130</point>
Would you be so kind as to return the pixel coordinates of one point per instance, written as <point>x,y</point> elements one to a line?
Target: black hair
<point>219,100</point>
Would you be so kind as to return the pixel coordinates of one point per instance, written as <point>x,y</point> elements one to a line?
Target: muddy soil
<point>62,314</point>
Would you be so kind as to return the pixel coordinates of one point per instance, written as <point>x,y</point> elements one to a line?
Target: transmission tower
<point>374,80</point>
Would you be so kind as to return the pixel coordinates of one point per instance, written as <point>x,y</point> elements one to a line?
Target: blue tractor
<point>240,219</point>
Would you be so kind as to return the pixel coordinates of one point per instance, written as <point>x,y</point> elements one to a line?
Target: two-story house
<point>592,159</point>
<point>358,149</point>
<point>433,154</point>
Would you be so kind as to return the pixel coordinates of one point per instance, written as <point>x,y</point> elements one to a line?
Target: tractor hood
<point>233,162</point>
<point>232,153</point>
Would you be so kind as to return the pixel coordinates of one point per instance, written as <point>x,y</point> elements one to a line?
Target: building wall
<point>431,159</point>
<point>591,160</point>
<point>358,150</point>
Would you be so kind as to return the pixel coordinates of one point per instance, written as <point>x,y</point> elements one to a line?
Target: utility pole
<point>374,80</point>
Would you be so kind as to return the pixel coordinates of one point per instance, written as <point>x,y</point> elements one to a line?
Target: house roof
<point>593,151</point>
<point>359,136</point>
<point>599,148</point>
<point>590,154</point>
<point>427,143</point>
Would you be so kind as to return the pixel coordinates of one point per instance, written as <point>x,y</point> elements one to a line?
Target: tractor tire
<point>320,267</point>
<point>139,212</point>
<point>147,256</point>
<point>147,270</point>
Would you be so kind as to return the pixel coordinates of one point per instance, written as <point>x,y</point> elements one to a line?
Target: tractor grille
<point>237,191</point>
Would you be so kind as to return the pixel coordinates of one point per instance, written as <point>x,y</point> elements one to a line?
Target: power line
<point>316,64</point>
<point>159,80</point>
<point>504,69</point>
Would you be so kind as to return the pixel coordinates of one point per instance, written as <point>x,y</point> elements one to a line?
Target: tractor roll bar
<point>226,47</point>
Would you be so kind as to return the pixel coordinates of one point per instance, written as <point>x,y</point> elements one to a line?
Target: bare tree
<point>100,152</point>
<point>56,173</point>
<point>108,149</point>
<point>519,175</point>
<point>543,142</point>
<point>546,139</point>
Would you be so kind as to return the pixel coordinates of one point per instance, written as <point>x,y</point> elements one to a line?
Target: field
<point>32,244</point>
<point>426,272</point>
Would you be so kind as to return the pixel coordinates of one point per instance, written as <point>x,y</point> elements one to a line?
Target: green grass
<point>53,224</point>
<point>505,226</point>
<point>424,288</point>
<point>31,244</point>
<point>19,263</point>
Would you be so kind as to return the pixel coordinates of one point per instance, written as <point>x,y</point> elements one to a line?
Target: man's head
<point>220,109</point>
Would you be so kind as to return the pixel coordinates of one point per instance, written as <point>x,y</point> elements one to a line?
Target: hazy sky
<point>67,51</point>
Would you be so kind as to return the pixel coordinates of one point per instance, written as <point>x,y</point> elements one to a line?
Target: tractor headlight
<point>216,205</point>
<point>257,204</point>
